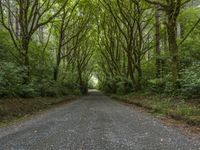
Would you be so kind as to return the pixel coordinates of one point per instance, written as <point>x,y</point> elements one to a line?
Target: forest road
<point>94,122</point>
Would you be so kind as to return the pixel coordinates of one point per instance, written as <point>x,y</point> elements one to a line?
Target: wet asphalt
<point>94,122</point>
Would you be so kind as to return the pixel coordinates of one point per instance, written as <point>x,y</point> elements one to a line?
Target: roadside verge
<point>177,109</point>
<point>12,110</point>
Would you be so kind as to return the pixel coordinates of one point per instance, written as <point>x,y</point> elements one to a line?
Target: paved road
<point>94,122</point>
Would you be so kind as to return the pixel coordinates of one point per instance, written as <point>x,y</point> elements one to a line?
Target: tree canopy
<point>55,47</point>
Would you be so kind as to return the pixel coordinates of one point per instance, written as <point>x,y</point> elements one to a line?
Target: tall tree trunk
<point>173,48</point>
<point>56,70</point>
<point>57,66</point>
<point>58,54</point>
<point>25,57</point>
<point>158,60</point>
<point>139,74</point>
<point>130,71</point>
<point>17,23</point>
<point>82,85</point>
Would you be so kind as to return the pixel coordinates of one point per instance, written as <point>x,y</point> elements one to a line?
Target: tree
<point>83,57</point>
<point>70,30</point>
<point>128,18</point>
<point>158,48</point>
<point>172,9</point>
<point>29,16</point>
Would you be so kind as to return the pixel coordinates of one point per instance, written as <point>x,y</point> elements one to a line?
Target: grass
<point>16,109</point>
<point>176,108</point>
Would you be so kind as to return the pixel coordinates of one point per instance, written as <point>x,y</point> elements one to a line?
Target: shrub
<point>27,91</point>
<point>190,80</point>
<point>157,85</point>
<point>124,86</point>
<point>11,79</point>
<point>118,85</point>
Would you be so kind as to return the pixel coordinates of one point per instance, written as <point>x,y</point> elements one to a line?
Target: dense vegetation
<point>55,47</point>
<point>150,45</point>
<point>45,48</point>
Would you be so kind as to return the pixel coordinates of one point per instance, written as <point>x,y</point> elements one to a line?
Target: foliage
<point>118,85</point>
<point>191,80</point>
<point>126,45</point>
<point>11,79</point>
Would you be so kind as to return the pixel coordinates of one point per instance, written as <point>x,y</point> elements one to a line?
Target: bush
<point>11,79</point>
<point>27,91</point>
<point>118,85</point>
<point>189,83</point>
<point>124,86</point>
<point>52,92</point>
<point>190,80</point>
<point>157,85</point>
<point>12,83</point>
<point>51,89</point>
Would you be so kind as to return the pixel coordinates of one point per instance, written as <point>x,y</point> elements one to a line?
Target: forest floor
<point>15,109</point>
<point>94,122</point>
<point>173,110</point>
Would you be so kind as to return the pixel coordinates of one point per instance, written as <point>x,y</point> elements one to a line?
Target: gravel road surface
<point>94,122</point>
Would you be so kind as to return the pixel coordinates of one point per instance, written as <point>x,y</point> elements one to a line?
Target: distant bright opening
<point>93,83</point>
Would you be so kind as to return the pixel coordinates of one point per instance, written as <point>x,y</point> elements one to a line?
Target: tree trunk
<point>158,60</point>
<point>130,72</point>
<point>82,86</point>
<point>58,55</point>
<point>173,49</point>
<point>56,70</point>
<point>139,75</point>
<point>17,23</point>
<point>25,57</point>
